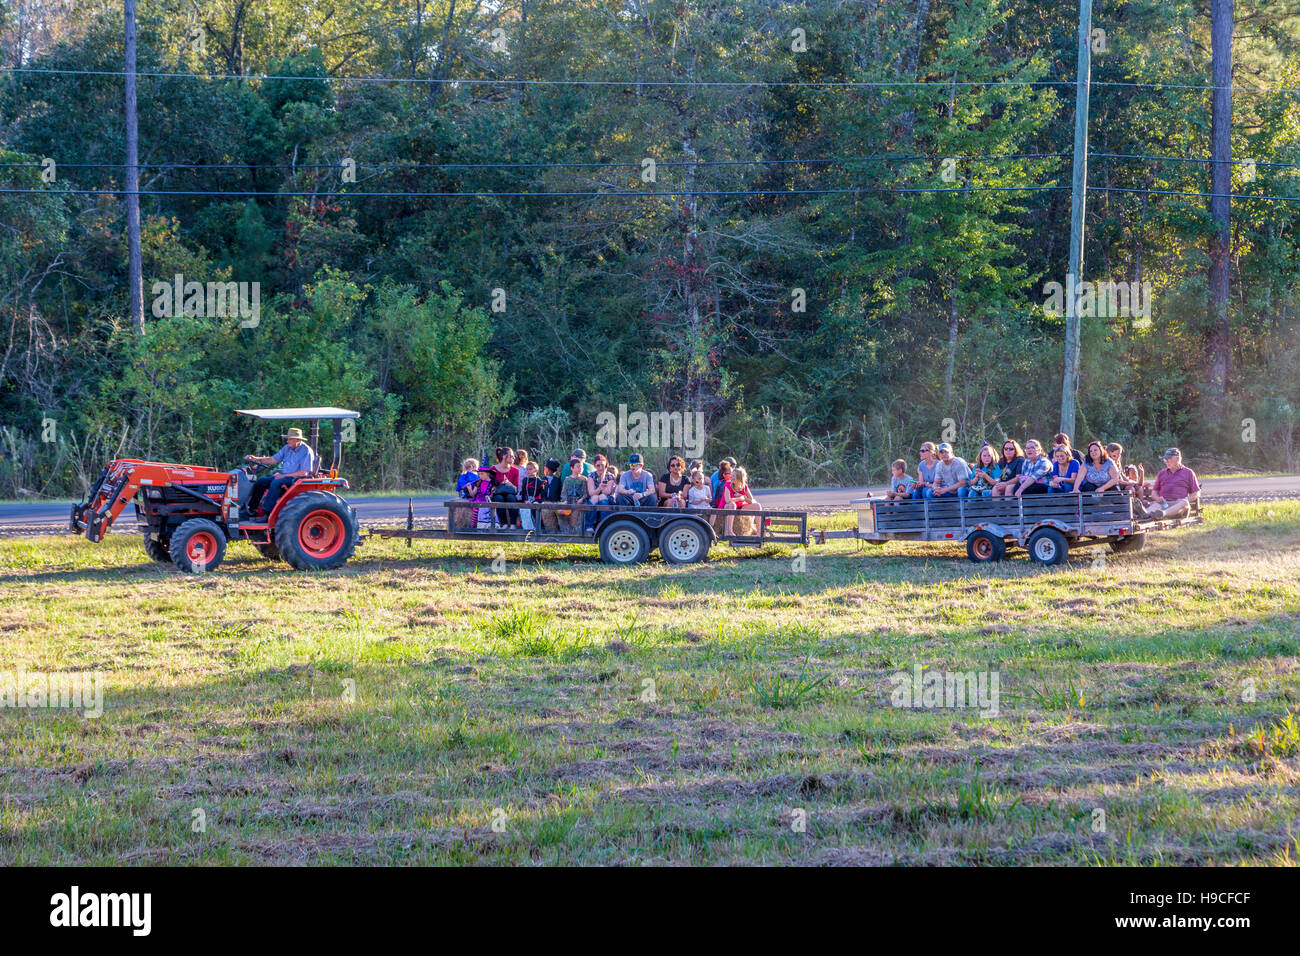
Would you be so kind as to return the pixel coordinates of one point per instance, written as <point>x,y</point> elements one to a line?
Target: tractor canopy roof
<point>279,414</point>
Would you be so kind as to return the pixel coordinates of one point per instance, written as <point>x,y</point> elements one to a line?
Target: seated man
<point>296,460</point>
<point>636,486</point>
<point>1175,487</point>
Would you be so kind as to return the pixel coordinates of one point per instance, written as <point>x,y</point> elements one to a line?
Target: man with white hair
<point>296,460</point>
<point>1175,488</point>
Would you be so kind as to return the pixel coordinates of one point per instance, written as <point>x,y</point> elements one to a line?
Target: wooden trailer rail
<point>624,534</point>
<point>1048,525</point>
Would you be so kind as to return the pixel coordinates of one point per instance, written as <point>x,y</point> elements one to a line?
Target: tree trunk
<point>135,282</point>
<point>951,367</point>
<point>1219,342</point>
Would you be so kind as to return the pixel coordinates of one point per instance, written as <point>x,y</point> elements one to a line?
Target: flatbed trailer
<point>1049,526</point>
<point>624,534</point>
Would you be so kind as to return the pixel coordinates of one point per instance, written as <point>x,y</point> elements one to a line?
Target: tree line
<point>828,228</point>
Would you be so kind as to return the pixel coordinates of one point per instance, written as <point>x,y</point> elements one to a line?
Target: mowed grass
<point>417,707</point>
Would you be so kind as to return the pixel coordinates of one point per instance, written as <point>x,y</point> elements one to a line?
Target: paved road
<point>53,516</point>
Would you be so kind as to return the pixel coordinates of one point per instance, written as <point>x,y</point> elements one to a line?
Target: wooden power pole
<point>134,265</point>
<point>1078,199</point>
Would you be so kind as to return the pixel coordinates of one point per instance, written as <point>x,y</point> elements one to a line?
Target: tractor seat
<point>245,486</point>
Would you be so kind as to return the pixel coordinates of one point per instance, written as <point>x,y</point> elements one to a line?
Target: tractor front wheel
<point>157,548</point>
<point>316,531</point>
<point>198,545</point>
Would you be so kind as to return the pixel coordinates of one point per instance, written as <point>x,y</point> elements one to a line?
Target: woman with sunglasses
<point>1009,468</point>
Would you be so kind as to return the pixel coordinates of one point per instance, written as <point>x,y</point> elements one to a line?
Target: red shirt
<point>510,474</point>
<point>1176,485</point>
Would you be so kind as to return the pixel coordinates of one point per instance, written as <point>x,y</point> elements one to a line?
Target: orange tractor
<point>190,512</point>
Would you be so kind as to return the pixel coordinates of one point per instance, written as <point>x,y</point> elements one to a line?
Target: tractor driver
<point>296,460</point>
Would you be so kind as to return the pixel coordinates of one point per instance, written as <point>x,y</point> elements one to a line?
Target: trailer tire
<point>1130,542</point>
<point>156,548</point>
<point>684,542</point>
<point>984,547</point>
<point>198,545</point>
<point>1048,546</point>
<point>316,532</point>
<point>624,542</point>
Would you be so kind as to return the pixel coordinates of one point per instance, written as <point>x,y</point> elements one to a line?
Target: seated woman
<point>699,494</point>
<point>923,487</point>
<point>737,496</point>
<point>1099,472</point>
<point>601,490</point>
<point>573,491</point>
<point>671,486</point>
<point>984,473</point>
<point>1065,471</point>
<point>505,485</point>
<point>1035,471</point>
<point>1009,465</point>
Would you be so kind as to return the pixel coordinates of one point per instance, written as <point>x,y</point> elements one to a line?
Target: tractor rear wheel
<point>198,545</point>
<point>316,531</point>
<point>157,548</point>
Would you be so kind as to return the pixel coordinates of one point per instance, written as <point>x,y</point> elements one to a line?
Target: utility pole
<point>135,280</point>
<point>1078,199</point>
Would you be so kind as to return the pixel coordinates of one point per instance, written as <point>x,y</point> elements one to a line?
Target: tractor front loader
<point>189,513</point>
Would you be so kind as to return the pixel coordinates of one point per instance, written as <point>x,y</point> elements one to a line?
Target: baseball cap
<point>634,460</point>
<point>944,446</point>
<point>579,453</point>
<point>1171,452</point>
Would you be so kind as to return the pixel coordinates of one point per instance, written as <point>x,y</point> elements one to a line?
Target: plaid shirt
<point>1038,469</point>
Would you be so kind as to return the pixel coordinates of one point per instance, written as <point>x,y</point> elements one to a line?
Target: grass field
<point>418,707</point>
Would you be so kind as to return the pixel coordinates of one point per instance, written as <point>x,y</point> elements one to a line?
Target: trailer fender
<point>1061,526</point>
<point>992,527</point>
<point>655,519</point>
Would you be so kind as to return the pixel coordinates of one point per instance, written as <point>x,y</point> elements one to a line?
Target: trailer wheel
<point>984,547</point>
<point>1130,542</point>
<point>684,542</point>
<point>156,548</point>
<point>198,545</point>
<point>624,542</point>
<point>1048,546</point>
<point>316,532</point>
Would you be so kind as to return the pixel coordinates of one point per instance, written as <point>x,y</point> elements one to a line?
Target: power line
<point>846,160</point>
<point>490,81</point>
<point>1195,159</point>
<point>484,194</point>
<point>727,84</point>
<point>1175,192</point>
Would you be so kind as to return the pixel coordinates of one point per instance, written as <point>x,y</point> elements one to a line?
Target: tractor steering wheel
<point>252,467</point>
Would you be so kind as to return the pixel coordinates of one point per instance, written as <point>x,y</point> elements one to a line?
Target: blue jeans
<point>279,485</point>
<point>923,493</point>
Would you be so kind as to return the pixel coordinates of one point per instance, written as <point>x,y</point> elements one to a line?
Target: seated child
<point>481,491</point>
<point>532,488</point>
<point>699,494</point>
<point>466,486</point>
<point>984,473</point>
<point>900,483</point>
